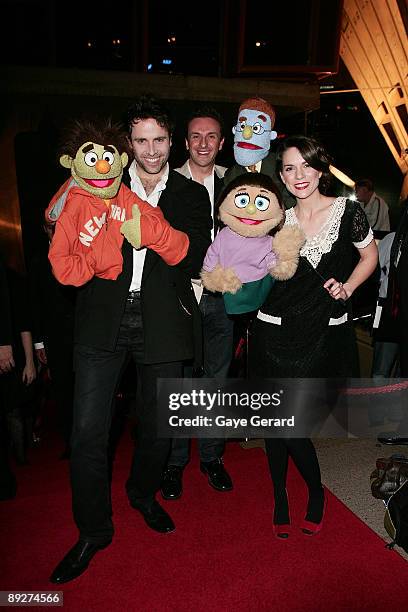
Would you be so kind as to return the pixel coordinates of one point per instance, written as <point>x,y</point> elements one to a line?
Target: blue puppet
<point>253,132</point>
<point>253,135</point>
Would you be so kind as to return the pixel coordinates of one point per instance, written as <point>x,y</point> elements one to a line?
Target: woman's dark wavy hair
<point>253,179</point>
<point>313,152</point>
<point>78,132</point>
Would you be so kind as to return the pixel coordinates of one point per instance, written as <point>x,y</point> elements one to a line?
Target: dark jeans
<point>97,376</point>
<point>218,331</point>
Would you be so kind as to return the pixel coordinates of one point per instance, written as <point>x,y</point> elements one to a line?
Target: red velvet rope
<point>376,390</point>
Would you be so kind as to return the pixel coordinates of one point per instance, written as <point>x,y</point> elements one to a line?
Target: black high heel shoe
<point>312,527</point>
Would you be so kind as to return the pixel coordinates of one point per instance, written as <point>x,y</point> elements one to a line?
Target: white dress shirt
<point>136,186</point>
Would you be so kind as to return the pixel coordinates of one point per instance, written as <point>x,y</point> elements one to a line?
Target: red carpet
<point>222,557</point>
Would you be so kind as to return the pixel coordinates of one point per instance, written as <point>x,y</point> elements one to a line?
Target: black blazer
<point>52,304</point>
<point>171,319</point>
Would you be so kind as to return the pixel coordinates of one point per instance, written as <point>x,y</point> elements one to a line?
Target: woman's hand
<point>338,290</point>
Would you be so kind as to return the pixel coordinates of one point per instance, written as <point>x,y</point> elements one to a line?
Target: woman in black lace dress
<point>304,329</point>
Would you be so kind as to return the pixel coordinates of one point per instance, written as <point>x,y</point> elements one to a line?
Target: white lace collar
<point>321,243</point>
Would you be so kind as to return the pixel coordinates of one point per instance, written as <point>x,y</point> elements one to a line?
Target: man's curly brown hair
<point>104,133</point>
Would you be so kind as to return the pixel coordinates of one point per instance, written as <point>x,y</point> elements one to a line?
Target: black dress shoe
<point>218,476</point>
<point>75,561</point>
<point>171,486</point>
<point>392,437</point>
<point>155,516</point>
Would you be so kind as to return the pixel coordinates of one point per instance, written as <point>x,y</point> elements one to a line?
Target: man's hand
<point>131,228</point>
<point>29,373</point>
<point>6,358</point>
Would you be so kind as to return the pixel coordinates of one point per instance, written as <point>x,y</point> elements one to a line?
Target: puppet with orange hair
<point>253,134</point>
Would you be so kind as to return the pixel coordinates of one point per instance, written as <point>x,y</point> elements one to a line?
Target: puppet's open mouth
<point>247,145</point>
<point>249,221</point>
<point>100,182</point>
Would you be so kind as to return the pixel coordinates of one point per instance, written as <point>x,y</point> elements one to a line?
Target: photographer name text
<point>230,422</point>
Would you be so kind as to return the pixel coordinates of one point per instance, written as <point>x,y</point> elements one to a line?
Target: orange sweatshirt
<point>87,241</point>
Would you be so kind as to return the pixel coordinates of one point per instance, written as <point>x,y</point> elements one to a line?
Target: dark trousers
<point>403,345</point>
<point>385,365</point>
<point>20,402</point>
<point>8,483</point>
<point>385,355</point>
<point>96,379</point>
<point>218,329</point>
<point>60,363</point>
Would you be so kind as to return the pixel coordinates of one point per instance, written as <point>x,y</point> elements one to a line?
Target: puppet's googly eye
<point>257,128</point>
<point>241,126</point>
<point>262,203</point>
<point>241,200</point>
<point>91,158</point>
<point>109,157</point>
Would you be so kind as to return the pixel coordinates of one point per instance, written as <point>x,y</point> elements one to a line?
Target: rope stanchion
<point>376,390</point>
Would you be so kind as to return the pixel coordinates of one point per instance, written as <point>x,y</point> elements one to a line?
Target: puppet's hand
<point>131,228</point>
<point>221,279</point>
<point>157,234</point>
<point>148,228</point>
<point>287,244</point>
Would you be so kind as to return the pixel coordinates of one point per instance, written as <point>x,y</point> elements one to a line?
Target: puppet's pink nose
<point>102,166</point>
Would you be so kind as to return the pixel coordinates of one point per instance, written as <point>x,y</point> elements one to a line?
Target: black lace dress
<point>301,331</point>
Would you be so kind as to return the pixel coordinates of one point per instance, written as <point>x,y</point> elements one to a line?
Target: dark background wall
<point>297,43</point>
<point>342,123</point>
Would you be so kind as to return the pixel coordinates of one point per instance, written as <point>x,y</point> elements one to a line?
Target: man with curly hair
<point>132,262</point>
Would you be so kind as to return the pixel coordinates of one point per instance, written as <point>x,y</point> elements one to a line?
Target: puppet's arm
<point>214,276</point>
<point>286,245</point>
<point>148,228</point>
<point>71,265</point>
